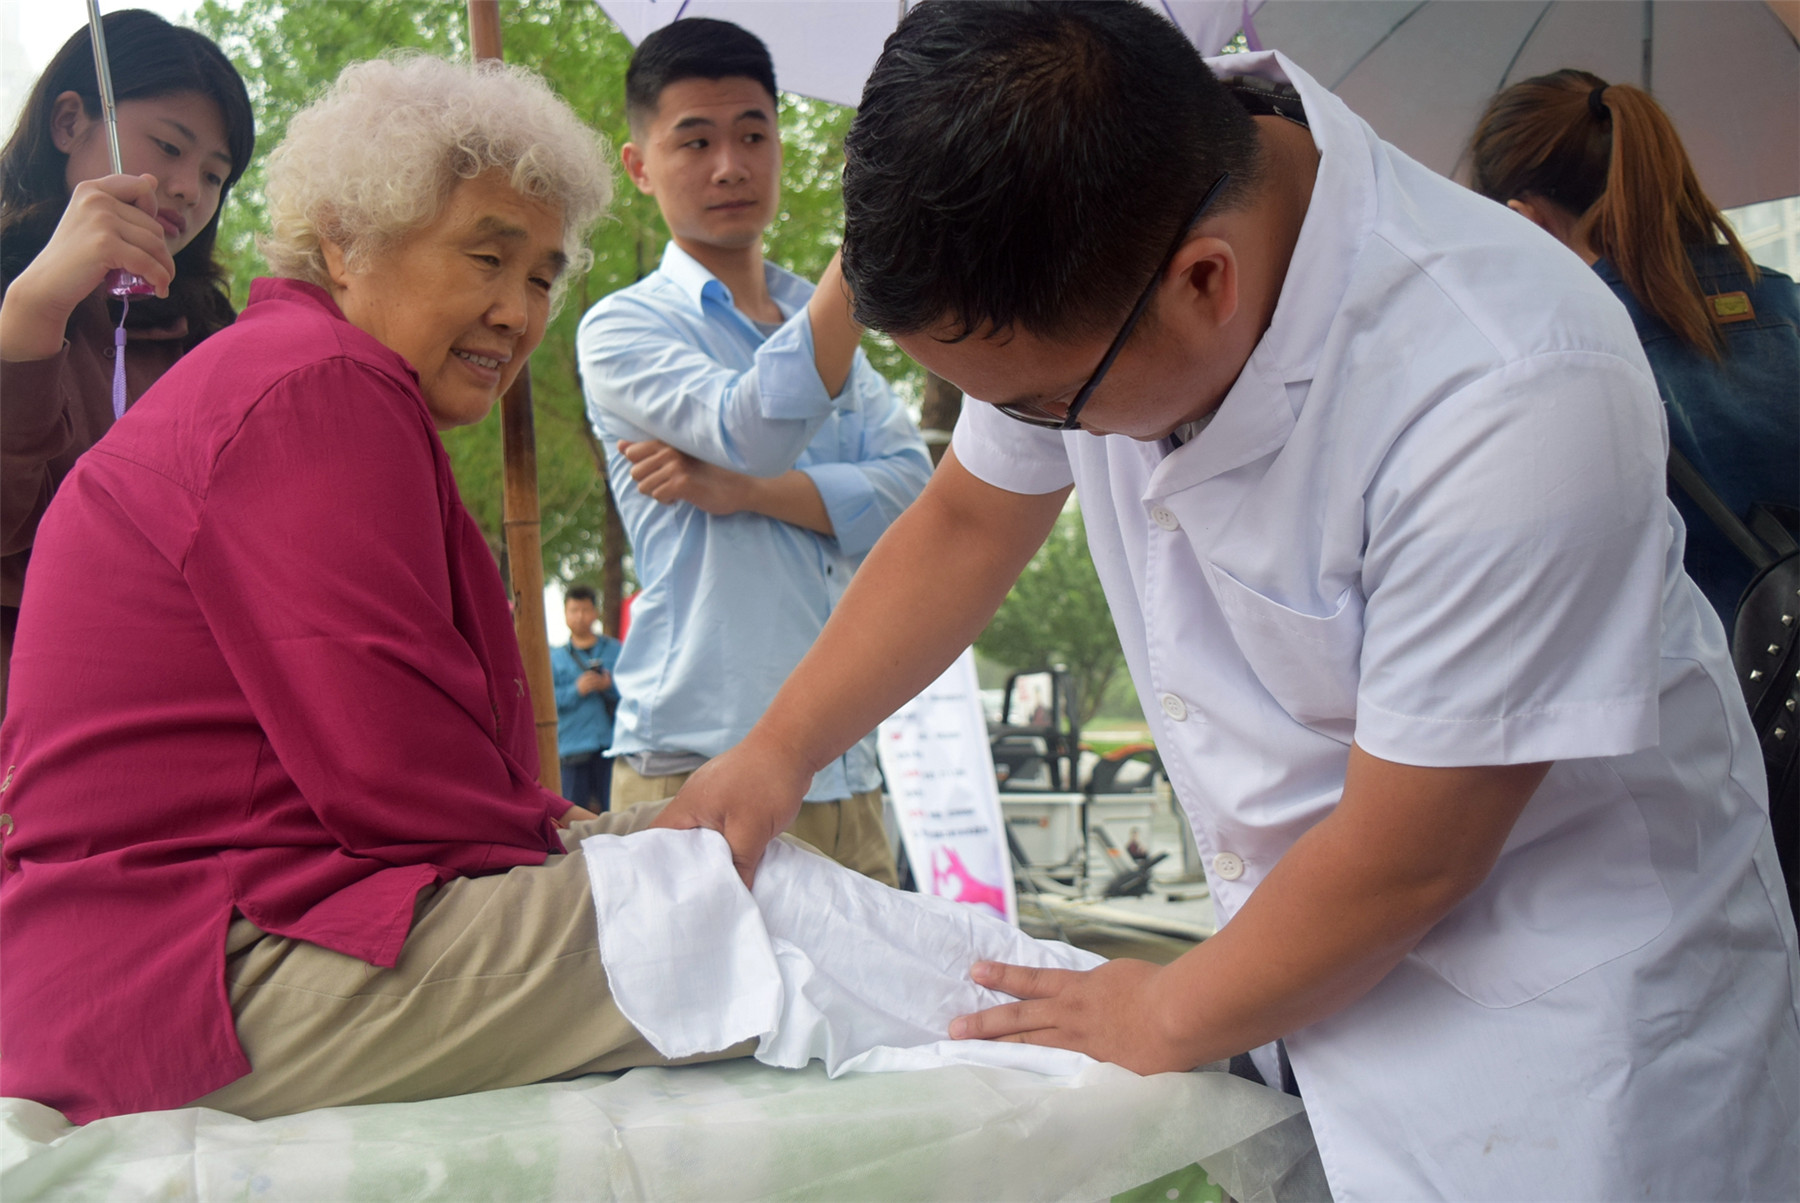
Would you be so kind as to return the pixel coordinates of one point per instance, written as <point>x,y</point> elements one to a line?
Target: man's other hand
<point>592,681</point>
<point>749,795</point>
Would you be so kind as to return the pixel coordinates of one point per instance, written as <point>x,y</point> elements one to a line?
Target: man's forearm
<point>792,498</point>
<point>921,597</point>
<point>1345,904</point>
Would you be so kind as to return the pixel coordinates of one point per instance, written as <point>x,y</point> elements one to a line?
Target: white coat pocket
<point>1573,889</point>
<point>1310,664</point>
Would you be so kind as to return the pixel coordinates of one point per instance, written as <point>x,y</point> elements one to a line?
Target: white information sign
<point>940,774</point>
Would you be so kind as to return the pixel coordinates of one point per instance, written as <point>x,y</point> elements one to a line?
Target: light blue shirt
<point>730,604</point>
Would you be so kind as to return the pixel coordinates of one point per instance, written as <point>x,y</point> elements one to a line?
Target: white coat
<point>1429,517</point>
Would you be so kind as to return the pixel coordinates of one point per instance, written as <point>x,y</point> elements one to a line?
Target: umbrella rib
<point>1379,42</point>
<point>1523,42</point>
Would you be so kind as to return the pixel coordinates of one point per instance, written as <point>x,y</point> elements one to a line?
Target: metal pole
<point>520,521</point>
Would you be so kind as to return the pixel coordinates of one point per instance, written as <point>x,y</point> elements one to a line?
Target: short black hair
<point>580,593</point>
<point>1027,164</point>
<point>692,48</point>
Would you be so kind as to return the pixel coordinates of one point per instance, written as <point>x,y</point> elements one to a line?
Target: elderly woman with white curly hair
<point>273,839</point>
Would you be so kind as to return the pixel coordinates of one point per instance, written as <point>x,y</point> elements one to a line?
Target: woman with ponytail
<point>67,219</point>
<point>1600,167</point>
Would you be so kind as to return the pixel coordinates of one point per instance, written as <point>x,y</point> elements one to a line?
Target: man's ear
<point>68,122</point>
<point>1203,281</point>
<point>632,155</point>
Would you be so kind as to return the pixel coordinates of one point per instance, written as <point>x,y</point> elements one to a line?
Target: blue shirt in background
<point>1738,419</point>
<point>582,724</point>
<point>730,604</point>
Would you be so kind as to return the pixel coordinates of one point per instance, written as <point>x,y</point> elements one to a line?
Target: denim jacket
<point>1737,420</point>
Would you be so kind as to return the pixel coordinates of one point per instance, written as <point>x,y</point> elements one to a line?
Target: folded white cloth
<point>819,962</point>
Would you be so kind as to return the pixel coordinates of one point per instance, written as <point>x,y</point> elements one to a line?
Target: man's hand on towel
<point>1110,1012</point>
<point>749,795</point>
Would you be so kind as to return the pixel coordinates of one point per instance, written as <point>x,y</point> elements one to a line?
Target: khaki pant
<point>499,984</point>
<point>849,831</point>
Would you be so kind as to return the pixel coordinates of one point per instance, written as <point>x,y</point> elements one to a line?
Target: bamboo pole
<point>524,544</point>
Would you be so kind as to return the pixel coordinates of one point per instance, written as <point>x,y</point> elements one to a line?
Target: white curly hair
<point>378,154</point>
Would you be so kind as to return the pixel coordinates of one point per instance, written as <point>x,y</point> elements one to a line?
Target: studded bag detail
<point>1764,649</point>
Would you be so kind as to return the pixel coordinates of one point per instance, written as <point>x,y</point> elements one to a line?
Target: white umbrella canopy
<point>1421,71</point>
<point>826,48</point>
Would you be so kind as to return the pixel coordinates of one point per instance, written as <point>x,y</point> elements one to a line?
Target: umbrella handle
<point>119,282</point>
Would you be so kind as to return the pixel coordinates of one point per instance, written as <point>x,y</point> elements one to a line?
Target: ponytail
<point>1609,155</point>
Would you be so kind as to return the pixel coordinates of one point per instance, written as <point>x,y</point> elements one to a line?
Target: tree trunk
<point>937,416</point>
<point>612,541</point>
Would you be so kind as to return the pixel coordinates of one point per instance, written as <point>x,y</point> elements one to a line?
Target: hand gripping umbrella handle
<point>119,282</point>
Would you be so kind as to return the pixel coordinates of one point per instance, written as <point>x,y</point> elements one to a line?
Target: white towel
<point>819,962</point>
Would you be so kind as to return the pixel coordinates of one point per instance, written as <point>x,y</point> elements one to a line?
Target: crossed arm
<point>667,475</point>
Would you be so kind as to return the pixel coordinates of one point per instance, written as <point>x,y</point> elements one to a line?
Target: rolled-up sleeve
<point>884,473</point>
<point>647,379</point>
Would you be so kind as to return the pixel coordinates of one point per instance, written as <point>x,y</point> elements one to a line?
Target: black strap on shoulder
<point>1774,544</point>
<point>1266,98</point>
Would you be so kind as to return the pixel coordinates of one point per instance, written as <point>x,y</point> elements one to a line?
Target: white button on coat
<point>1174,707</point>
<point>1228,866</point>
<point>1164,517</point>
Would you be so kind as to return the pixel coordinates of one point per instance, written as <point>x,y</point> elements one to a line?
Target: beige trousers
<point>849,831</point>
<point>499,984</point>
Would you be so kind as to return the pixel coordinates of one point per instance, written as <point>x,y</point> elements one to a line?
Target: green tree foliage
<point>288,50</point>
<point>1057,614</point>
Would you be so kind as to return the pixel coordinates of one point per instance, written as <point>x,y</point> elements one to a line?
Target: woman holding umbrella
<point>67,218</point>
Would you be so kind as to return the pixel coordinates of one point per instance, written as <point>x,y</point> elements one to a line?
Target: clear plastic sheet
<point>725,1131</point>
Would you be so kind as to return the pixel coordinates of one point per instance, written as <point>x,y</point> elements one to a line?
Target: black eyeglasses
<point>1069,419</point>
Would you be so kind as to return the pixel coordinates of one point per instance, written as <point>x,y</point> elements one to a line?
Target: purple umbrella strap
<point>119,362</point>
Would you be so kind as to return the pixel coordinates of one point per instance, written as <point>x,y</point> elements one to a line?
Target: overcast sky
<point>33,30</point>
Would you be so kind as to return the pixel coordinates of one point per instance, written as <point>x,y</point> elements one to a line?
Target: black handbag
<point>1764,649</point>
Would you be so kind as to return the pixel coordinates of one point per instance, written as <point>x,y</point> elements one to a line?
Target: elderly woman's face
<point>464,299</point>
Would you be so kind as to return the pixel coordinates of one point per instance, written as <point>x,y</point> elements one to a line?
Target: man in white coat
<point>1372,472</point>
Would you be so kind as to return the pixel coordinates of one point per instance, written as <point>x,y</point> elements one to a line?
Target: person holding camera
<point>586,700</point>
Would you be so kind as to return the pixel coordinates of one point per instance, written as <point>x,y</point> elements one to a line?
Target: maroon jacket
<point>266,665</point>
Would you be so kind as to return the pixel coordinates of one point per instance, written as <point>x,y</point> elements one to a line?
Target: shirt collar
<point>280,288</point>
<point>300,292</point>
<point>1339,219</point>
<point>1259,413</point>
<point>699,285</point>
